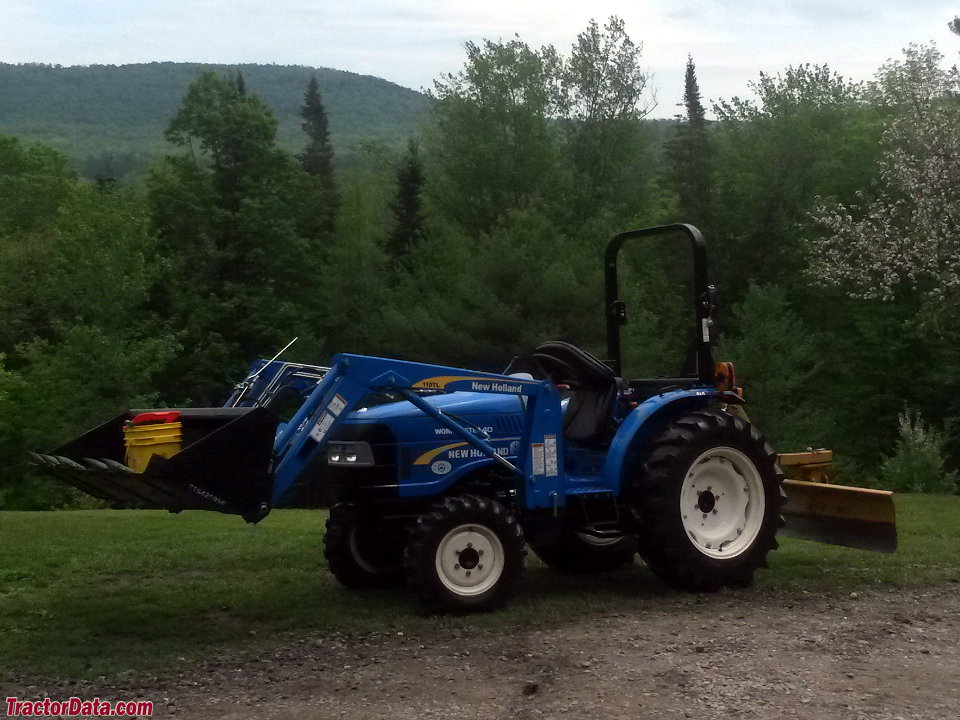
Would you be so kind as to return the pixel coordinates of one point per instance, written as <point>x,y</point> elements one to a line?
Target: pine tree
<point>240,85</point>
<point>407,206</point>
<point>689,154</point>
<point>317,158</point>
<point>317,161</point>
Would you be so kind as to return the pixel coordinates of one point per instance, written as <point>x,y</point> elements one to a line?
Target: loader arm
<point>355,377</point>
<point>239,461</point>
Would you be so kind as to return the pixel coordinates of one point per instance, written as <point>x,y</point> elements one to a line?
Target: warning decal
<point>337,405</point>
<point>537,450</point>
<point>323,425</point>
<point>550,455</point>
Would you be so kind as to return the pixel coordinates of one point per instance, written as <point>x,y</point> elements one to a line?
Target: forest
<point>109,119</point>
<point>830,209</point>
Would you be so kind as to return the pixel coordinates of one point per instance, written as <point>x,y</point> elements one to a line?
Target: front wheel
<point>466,553</point>
<point>709,497</point>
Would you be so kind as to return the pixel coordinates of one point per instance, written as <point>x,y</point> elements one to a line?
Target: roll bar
<point>704,296</point>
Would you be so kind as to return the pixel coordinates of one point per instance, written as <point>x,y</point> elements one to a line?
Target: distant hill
<point>110,118</point>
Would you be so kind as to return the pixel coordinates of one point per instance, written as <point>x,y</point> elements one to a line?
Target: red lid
<point>165,416</point>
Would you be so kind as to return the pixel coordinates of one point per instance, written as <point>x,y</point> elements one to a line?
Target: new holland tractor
<point>444,476</point>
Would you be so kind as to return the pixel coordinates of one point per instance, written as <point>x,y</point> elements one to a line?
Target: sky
<point>412,43</point>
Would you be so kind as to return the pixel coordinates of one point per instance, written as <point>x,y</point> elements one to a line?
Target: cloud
<point>412,43</point>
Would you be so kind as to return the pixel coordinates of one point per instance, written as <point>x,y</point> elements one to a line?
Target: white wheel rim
<point>722,502</point>
<point>469,560</point>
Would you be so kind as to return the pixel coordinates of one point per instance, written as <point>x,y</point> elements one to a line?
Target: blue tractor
<point>444,476</point>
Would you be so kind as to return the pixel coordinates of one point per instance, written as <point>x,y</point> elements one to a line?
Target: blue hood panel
<point>460,403</point>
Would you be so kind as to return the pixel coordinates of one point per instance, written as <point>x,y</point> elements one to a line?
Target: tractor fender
<point>643,422</point>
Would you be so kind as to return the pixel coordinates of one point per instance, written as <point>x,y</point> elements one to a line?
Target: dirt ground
<point>884,655</point>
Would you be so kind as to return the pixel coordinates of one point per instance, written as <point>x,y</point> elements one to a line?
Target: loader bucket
<point>225,464</point>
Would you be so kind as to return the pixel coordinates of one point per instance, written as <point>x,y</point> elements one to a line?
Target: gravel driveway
<point>881,655</point>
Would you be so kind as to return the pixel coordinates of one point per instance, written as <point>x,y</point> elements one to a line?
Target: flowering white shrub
<point>906,229</point>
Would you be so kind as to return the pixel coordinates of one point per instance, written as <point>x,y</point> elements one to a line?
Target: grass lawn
<point>89,593</point>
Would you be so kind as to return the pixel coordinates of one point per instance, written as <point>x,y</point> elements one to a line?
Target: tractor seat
<point>590,411</point>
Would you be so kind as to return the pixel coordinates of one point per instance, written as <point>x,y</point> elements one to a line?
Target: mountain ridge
<point>104,115</point>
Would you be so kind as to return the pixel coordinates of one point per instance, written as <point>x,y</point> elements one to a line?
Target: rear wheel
<point>466,553</point>
<point>709,499</point>
<point>361,551</point>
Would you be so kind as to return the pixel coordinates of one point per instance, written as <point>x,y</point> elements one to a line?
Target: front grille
<point>508,424</point>
<point>365,483</point>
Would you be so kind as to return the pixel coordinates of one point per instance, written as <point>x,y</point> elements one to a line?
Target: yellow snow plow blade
<point>834,514</point>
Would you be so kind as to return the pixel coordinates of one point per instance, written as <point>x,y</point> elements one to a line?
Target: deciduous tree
<point>903,232</point>
<point>226,212</point>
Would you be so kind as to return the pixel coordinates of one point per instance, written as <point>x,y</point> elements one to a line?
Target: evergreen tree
<point>777,358</point>
<point>317,161</point>
<point>689,155</point>
<point>407,206</point>
<point>240,85</point>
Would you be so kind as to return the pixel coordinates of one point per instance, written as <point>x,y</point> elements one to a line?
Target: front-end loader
<point>443,476</point>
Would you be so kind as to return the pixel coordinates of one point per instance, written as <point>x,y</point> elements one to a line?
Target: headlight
<point>349,453</point>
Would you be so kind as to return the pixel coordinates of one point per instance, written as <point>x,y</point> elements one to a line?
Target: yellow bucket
<point>145,441</point>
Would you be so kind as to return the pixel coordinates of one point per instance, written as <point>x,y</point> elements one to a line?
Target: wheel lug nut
<point>479,567</point>
<point>479,552</point>
<point>714,511</point>
<point>468,573</point>
<point>456,567</point>
<point>739,531</point>
<point>470,545</point>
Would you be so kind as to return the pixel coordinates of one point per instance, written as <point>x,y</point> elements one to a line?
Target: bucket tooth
<point>68,463</point>
<point>49,461</point>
